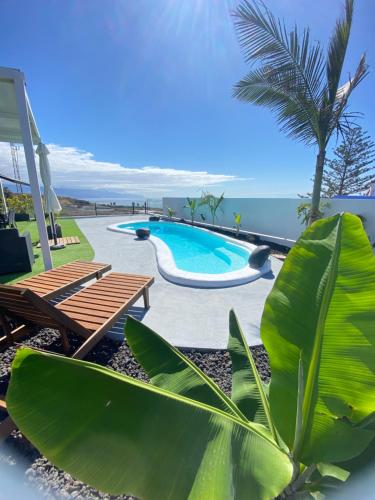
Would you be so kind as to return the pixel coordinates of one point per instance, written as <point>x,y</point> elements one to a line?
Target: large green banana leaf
<point>322,310</point>
<point>247,388</point>
<point>124,436</point>
<point>169,369</point>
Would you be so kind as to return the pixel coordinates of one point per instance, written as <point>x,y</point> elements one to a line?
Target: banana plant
<point>171,213</point>
<point>192,205</point>
<point>213,203</point>
<point>180,436</point>
<point>237,223</point>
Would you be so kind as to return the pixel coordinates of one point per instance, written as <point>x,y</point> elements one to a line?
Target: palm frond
<point>338,115</point>
<point>337,50</point>
<point>295,114</point>
<point>265,39</point>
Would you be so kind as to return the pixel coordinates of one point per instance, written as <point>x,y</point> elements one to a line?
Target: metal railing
<point>100,209</point>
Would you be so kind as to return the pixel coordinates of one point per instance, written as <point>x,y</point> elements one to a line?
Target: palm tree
<point>296,80</point>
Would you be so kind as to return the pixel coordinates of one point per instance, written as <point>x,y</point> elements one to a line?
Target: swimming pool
<point>194,256</point>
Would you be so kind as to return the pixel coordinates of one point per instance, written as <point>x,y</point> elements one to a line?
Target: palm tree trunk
<point>315,202</point>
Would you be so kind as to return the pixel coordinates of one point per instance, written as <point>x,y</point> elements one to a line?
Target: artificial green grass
<point>71,252</point>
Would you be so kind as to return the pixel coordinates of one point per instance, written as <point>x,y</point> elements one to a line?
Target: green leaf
<point>169,369</point>
<point>247,388</point>
<point>323,304</point>
<point>334,471</point>
<point>124,436</point>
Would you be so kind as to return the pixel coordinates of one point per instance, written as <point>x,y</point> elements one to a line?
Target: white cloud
<point>78,169</point>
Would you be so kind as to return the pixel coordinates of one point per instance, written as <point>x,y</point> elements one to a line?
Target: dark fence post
<point>96,211</point>
<point>133,207</point>
<point>145,208</point>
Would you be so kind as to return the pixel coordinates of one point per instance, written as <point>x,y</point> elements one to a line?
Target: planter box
<point>22,217</point>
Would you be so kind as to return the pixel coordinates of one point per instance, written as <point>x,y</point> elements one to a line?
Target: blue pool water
<point>195,250</point>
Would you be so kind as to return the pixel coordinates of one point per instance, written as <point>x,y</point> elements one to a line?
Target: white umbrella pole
<point>19,87</point>
<point>53,227</point>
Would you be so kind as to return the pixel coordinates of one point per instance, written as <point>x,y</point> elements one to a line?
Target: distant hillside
<point>67,201</point>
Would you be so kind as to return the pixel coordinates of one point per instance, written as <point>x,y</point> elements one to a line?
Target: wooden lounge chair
<point>55,282</point>
<point>89,313</point>
<point>63,278</point>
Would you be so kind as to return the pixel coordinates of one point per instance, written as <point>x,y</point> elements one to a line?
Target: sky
<point>135,96</point>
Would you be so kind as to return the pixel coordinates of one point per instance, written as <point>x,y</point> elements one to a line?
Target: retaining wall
<point>274,218</point>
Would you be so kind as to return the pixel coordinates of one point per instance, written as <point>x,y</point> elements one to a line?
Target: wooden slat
<point>89,308</point>
<point>92,327</point>
<point>115,290</point>
<point>102,293</point>
<point>50,280</point>
<point>98,334</point>
<point>130,279</point>
<point>106,301</point>
<point>82,317</point>
<point>117,285</point>
<point>17,334</point>
<point>41,288</point>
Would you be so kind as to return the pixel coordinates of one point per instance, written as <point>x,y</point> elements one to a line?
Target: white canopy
<point>10,129</point>
<point>17,124</point>
<point>51,202</point>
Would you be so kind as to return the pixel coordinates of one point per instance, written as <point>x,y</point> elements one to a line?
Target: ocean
<point>151,202</point>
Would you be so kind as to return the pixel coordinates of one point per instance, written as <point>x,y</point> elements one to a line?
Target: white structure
<point>275,219</point>
<point>17,125</point>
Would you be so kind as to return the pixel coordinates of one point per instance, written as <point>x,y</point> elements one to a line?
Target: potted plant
<point>171,213</point>
<point>192,205</point>
<point>213,203</point>
<point>237,223</point>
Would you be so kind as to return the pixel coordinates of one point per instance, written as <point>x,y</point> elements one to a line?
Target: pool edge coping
<point>169,270</point>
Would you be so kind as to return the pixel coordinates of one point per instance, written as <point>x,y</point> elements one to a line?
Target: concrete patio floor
<point>186,317</point>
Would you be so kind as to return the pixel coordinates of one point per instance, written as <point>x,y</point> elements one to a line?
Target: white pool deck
<point>186,317</point>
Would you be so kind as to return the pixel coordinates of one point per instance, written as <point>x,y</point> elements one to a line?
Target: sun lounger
<point>89,313</point>
<point>63,278</point>
<point>54,283</point>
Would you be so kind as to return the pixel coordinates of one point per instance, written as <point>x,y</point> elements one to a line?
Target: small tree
<point>212,202</point>
<point>20,203</point>
<point>171,212</point>
<point>192,205</point>
<point>352,169</point>
<point>237,223</point>
<point>304,211</point>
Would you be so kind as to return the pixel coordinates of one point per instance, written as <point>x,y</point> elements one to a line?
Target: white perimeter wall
<point>274,217</point>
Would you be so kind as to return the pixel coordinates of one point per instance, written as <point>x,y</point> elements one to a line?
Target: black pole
<point>53,227</point>
<point>145,208</point>
<point>133,207</point>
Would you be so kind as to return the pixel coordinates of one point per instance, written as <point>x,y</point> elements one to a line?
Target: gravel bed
<point>48,482</point>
